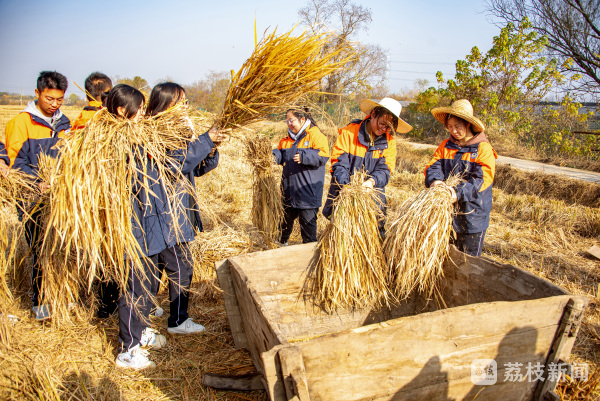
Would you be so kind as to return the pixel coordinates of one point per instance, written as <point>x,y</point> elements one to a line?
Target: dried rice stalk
<point>16,191</point>
<point>281,70</point>
<point>267,199</point>
<point>417,241</point>
<point>348,269</point>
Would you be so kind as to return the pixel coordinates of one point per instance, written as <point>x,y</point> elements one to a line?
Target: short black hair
<point>127,97</point>
<point>52,80</point>
<point>162,96</point>
<point>97,85</point>
<point>303,112</point>
<point>382,111</point>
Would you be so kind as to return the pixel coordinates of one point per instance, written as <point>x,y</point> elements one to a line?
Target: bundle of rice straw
<point>88,233</point>
<point>16,190</point>
<point>281,70</point>
<point>267,199</point>
<point>348,269</point>
<point>417,241</point>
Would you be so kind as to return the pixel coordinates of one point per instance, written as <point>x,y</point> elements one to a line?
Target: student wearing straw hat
<point>176,259</point>
<point>367,145</point>
<point>466,153</point>
<point>303,153</point>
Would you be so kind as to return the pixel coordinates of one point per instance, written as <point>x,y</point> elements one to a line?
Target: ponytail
<point>302,113</point>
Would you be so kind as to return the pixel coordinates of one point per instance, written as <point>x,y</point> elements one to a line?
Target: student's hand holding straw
<point>4,168</point>
<point>216,135</point>
<point>370,183</point>
<point>448,187</point>
<point>44,187</point>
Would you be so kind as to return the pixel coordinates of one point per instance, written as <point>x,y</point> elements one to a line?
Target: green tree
<point>209,93</point>
<point>74,100</point>
<point>137,82</point>
<point>573,31</point>
<point>506,86</point>
<point>514,71</point>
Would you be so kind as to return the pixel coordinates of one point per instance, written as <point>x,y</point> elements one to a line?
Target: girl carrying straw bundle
<point>177,258</point>
<point>303,154</point>
<point>153,228</point>
<point>367,145</point>
<point>466,153</point>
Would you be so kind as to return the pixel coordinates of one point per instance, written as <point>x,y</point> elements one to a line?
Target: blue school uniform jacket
<point>302,183</point>
<point>476,163</point>
<point>353,151</point>
<point>153,225</point>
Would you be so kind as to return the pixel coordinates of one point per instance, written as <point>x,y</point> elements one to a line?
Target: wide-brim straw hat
<point>391,105</point>
<point>461,108</point>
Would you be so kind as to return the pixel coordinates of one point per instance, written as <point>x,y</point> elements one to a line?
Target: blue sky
<point>185,39</point>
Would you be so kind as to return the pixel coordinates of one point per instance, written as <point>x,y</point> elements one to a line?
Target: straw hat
<point>461,108</point>
<point>391,105</point>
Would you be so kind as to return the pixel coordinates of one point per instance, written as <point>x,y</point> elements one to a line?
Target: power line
<point>414,72</point>
<point>421,62</point>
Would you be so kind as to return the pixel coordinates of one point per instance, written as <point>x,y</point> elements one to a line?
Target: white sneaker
<point>187,327</point>
<point>158,312</point>
<point>152,339</point>
<point>135,358</point>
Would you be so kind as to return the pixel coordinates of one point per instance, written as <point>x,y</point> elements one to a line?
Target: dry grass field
<point>542,234</point>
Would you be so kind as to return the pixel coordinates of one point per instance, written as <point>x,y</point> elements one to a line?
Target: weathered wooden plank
<point>273,378</point>
<point>469,280</point>
<point>594,251</point>
<point>386,360</point>
<point>247,382</point>
<point>563,343</point>
<point>232,308</point>
<point>294,376</point>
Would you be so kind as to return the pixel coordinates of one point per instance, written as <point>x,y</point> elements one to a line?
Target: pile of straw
<point>281,70</point>
<point>267,199</point>
<point>17,190</point>
<point>348,269</point>
<point>417,241</point>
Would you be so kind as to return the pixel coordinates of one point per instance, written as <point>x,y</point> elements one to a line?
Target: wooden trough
<point>416,351</point>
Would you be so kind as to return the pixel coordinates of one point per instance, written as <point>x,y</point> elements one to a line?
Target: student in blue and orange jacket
<point>467,153</point>
<point>30,134</point>
<point>367,145</point>
<point>303,154</point>
<point>97,86</point>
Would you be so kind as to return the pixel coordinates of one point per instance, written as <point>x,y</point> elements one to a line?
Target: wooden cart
<point>416,351</point>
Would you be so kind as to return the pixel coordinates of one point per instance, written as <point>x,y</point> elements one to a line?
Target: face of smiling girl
<point>293,123</point>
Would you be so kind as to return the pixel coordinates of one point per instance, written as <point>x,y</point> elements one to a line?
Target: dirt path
<point>528,165</point>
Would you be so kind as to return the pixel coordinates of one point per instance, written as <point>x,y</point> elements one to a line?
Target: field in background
<point>542,234</point>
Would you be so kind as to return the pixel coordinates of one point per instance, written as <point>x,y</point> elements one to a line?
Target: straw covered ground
<point>544,234</point>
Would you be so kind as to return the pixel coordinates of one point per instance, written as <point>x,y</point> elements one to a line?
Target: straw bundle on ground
<point>16,191</point>
<point>348,269</point>
<point>280,71</point>
<point>88,234</point>
<point>417,241</point>
<point>267,199</point>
